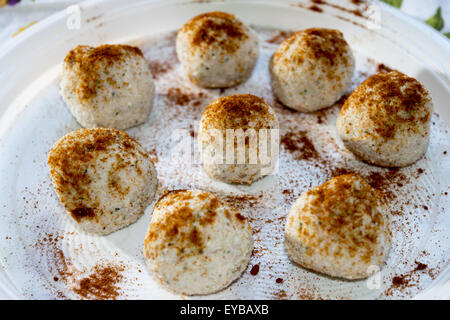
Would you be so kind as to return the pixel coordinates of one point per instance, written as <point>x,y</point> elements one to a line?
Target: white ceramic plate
<point>42,255</point>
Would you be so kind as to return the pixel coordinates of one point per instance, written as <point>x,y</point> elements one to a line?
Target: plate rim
<point>87,6</point>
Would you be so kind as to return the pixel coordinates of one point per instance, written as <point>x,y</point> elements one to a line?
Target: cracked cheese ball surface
<point>312,69</point>
<point>196,244</point>
<point>107,86</point>
<point>386,120</point>
<point>339,228</point>
<point>103,177</point>
<point>248,117</point>
<point>217,50</point>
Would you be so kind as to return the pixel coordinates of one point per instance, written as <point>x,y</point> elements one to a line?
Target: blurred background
<point>16,15</point>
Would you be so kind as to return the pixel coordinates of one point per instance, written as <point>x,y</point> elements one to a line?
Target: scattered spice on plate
<point>381,67</point>
<point>183,97</point>
<point>405,280</point>
<point>299,143</point>
<point>255,270</point>
<point>101,284</point>
<point>281,295</point>
<point>315,8</point>
<point>280,37</point>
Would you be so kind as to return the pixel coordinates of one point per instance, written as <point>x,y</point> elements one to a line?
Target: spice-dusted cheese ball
<point>217,50</point>
<point>312,69</point>
<point>103,177</point>
<point>339,228</point>
<point>196,244</point>
<point>386,120</point>
<point>107,86</point>
<point>231,136</point>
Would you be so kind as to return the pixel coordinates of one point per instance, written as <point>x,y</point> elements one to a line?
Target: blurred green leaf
<point>394,3</point>
<point>447,34</point>
<point>436,21</point>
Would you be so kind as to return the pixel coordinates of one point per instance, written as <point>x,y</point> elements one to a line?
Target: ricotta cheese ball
<point>386,120</point>
<point>231,136</point>
<point>103,177</point>
<point>107,86</point>
<point>217,50</point>
<point>339,228</point>
<point>312,69</point>
<point>196,244</point>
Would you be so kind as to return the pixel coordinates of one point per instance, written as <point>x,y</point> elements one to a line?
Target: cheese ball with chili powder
<point>217,50</point>
<point>103,177</point>
<point>107,86</point>
<point>339,228</point>
<point>386,120</point>
<point>196,244</point>
<point>312,69</point>
<point>231,134</point>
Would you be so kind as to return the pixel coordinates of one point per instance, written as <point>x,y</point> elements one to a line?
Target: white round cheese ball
<point>240,160</point>
<point>386,120</point>
<point>339,228</point>
<point>312,69</point>
<point>103,177</point>
<point>217,50</point>
<point>195,243</point>
<point>107,86</point>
